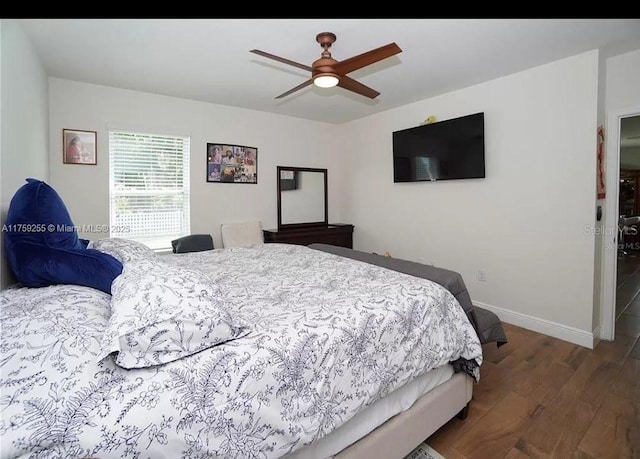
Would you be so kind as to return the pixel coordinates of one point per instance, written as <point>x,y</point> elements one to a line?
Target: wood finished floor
<point>541,397</point>
<point>628,283</point>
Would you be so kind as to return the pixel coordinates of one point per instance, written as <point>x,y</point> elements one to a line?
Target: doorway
<point>627,306</point>
<point>621,270</point>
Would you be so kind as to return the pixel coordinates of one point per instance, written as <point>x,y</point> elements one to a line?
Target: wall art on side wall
<point>601,185</point>
<point>79,147</point>
<point>227,163</point>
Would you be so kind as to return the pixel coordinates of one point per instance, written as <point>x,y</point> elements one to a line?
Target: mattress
<point>374,415</point>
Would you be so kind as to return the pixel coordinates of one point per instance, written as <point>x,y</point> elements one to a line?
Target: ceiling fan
<point>327,72</point>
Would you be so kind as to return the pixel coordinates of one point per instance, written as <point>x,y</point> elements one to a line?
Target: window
<point>149,187</point>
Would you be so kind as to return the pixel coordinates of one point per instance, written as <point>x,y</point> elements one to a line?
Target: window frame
<point>123,227</point>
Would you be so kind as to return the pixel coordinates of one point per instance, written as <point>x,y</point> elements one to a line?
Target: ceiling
<point>209,59</point>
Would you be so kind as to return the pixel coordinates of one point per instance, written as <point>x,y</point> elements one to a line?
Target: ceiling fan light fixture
<point>327,72</point>
<point>326,80</point>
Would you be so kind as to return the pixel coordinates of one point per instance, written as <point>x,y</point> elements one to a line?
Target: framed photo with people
<point>79,147</point>
<point>229,163</point>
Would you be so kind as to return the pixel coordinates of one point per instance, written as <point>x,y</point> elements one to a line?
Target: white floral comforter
<point>330,335</point>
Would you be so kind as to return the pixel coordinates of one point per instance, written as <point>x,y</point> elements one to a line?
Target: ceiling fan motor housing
<point>324,65</point>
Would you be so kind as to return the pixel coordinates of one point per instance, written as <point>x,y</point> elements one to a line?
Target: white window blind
<point>149,187</point>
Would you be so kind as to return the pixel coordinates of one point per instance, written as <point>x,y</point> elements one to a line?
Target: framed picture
<point>228,163</point>
<point>79,147</point>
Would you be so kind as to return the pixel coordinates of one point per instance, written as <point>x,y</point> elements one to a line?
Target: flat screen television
<point>446,150</point>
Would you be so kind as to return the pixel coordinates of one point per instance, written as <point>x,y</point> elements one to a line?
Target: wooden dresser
<point>340,234</point>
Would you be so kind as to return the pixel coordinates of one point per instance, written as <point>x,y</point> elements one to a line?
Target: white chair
<point>241,234</point>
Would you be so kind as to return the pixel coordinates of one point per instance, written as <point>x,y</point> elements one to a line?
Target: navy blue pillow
<point>36,203</point>
<point>42,245</point>
<point>35,265</point>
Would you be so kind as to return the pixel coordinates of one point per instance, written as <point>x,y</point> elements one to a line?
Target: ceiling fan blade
<point>281,59</point>
<point>364,59</point>
<point>300,86</point>
<point>357,87</point>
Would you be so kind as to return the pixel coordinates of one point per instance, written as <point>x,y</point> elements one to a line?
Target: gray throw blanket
<point>486,323</point>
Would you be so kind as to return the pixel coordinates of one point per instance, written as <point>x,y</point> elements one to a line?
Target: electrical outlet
<point>482,276</point>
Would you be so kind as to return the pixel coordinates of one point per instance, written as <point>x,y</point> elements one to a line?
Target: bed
<point>328,356</point>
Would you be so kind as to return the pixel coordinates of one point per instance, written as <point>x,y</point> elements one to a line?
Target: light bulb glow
<point>326,81</point>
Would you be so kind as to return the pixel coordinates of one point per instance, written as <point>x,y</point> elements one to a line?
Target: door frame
<point>610,232</point>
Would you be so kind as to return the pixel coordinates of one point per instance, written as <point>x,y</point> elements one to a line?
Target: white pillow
<point>161,313</point>
<point>123,249</point>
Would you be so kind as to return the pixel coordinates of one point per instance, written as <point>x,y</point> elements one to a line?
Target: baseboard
<point>546,327</point>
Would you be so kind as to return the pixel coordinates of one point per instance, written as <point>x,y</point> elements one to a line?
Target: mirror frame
<point>287,226</point>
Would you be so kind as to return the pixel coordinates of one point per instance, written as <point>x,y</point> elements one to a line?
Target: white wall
<point>599,225</point>
<point>280,140</point>
<point>24,120</point>
<point>525,223</point>
<point>623,81</point>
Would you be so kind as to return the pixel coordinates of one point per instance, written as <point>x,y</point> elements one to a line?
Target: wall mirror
<point>302,197</point>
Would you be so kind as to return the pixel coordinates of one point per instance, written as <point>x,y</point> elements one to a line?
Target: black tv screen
<point>446,150</point>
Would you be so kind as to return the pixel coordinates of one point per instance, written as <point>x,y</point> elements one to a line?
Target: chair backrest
<point>192,243</point>
<point>241,234</point>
